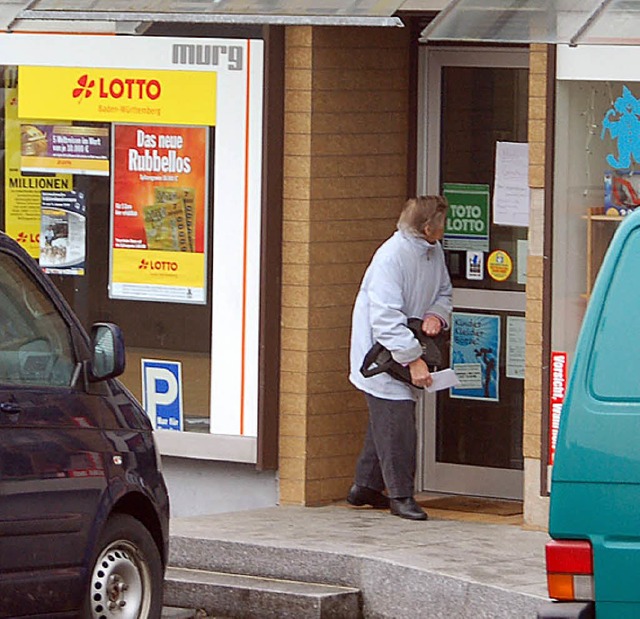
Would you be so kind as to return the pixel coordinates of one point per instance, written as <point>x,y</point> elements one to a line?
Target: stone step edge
<point>245,581</point>
<point>280,562</point>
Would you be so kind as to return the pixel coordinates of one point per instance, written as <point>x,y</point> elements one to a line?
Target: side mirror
<point>107,351</point>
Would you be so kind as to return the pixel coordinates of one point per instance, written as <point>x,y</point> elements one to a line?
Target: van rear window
<point>614,364</point>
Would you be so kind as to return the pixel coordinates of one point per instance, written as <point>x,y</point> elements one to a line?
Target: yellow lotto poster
<point>118,95</point>
<point>160,268</point>
<point>23,193</point>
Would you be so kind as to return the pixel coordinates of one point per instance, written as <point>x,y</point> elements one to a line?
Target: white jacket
<point>407,278</point>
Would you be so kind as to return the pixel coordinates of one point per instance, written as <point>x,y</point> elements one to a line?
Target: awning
<point>573,22</point>
<point>277,12</point>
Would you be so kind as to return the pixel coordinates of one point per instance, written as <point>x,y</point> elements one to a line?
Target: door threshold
<point>472,508</point>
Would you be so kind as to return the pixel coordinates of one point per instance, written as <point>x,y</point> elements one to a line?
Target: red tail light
<point>570,570</point>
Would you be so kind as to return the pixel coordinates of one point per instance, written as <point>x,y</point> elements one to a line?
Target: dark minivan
<point>84,510</point>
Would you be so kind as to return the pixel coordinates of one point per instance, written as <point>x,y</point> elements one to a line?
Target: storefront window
<point>138,190</point>
<point>176,332</point>
<point>594,187</point>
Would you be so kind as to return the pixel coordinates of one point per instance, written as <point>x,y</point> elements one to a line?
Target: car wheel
<point>126,575</point>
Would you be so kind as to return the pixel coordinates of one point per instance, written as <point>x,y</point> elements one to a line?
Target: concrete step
<point>403,570</point>
<point>286,562</point>
<point>255,597</point>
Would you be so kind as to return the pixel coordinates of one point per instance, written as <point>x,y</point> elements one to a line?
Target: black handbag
<point>379,359</point>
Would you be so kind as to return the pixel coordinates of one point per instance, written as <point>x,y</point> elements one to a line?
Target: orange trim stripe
<point>245,242</point>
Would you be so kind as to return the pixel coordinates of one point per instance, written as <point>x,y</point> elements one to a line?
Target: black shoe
<point>361,495</point>
<point>406,507</point>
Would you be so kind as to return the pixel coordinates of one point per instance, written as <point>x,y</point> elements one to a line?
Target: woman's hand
<point>431,325</point>
<point>420,375</point>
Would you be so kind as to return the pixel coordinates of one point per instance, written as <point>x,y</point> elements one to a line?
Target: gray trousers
<point>388,457</point>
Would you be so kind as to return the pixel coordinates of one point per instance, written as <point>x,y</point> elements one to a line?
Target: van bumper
<point>568,610</point>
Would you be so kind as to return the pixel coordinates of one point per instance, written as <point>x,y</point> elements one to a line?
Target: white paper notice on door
<point>511,192</point>
<point>515,346</point>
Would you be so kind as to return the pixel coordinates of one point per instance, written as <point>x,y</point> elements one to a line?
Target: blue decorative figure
<point>623,123</point>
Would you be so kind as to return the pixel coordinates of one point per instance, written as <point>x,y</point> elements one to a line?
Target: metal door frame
<point>431,475</point>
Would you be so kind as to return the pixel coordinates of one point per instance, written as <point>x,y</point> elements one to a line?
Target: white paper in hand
<point>444,379</point>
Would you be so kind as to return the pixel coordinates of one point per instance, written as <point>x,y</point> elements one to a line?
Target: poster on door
<point>475,355</point>
<point>515,347</point>
<point>158,244</point>
<point>511,193</point>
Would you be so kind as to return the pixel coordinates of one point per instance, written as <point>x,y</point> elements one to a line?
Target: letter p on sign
<point>162,393</point>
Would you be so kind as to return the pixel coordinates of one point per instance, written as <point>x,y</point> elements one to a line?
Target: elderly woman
<point>406,278</point>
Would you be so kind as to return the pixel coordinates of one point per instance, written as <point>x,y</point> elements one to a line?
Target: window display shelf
<point>600,229</point>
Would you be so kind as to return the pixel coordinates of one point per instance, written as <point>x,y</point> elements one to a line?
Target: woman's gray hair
<point>423,211</point>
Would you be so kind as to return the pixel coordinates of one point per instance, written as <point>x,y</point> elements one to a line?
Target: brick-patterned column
<point>295,265</point>
<point>535,508</point>
<point>345,177</point>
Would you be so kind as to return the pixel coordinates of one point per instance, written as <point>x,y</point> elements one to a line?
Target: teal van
<point>593,559</point>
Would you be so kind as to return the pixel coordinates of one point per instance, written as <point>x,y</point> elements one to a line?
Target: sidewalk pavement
<point>451,566</point>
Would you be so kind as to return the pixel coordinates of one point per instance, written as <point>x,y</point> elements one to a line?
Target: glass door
<point>475,106</point>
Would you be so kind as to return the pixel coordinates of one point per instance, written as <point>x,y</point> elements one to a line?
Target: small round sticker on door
<point>499,265</point>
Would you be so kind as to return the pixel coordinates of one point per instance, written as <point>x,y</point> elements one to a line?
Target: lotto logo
<point>116,88</point>
<point>25,237</point>
<point>158,265</point>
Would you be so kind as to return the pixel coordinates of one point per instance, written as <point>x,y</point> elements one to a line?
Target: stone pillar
<point>345,179</point>
<point>535,506</point>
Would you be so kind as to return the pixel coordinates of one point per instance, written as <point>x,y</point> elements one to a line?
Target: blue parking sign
<point>162,393</point>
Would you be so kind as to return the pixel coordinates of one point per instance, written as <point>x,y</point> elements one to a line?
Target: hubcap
<point>120,584</point>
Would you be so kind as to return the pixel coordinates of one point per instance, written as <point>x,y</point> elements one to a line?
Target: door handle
<point>10,407</point>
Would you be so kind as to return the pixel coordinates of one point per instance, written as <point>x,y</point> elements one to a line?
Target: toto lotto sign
<point>467,226</point>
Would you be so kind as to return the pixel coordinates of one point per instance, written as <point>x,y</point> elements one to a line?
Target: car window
<point>35,341</point>
<point>615,356</point>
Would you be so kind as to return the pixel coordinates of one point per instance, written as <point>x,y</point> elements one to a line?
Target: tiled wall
<point>537,130</point>
<point>345,178</point>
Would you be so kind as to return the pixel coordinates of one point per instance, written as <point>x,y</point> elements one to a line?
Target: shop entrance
<point>474,105</point>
